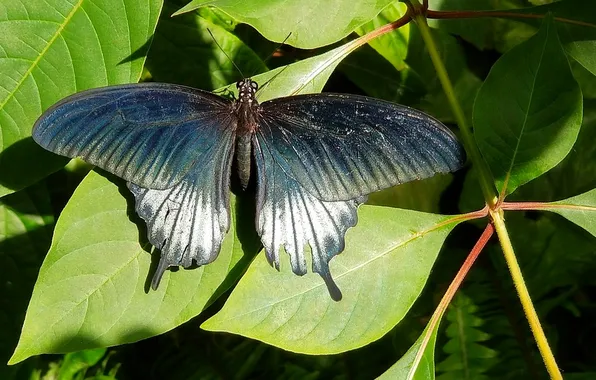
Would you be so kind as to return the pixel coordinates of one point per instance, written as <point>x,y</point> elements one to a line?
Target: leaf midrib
<point>525,122</point>
<point>35,62</point>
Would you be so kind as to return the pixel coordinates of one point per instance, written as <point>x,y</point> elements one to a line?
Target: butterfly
<point>315,157</point>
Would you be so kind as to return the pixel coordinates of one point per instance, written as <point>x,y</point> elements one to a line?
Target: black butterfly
<point>317,157</point>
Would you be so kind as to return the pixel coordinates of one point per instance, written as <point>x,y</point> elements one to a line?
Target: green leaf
<point>378,78</point>
<point>466,357</point>
<point>184,52</point>
<point>465,82</point>
<point>307,28</point>
<point>381,273</point>
<point>580,209</point>
<point>77,362</point>
<point>421,195</point>
<point>424,369</point>
<point>303,77</point>
<point>577,33</point>
<point>52,49</point>
<point>92,289</point>
<point>26,222</point>
<point>574,175</point>
<point>528,111</point>
<point>478,31</point>
<point>392,46</point>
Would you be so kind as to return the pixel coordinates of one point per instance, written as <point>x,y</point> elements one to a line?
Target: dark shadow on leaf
<point>25,162</point>
<point>140,53</point>
<point>21,257</point>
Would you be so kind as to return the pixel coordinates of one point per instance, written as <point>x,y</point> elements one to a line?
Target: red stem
<point>476,14</point>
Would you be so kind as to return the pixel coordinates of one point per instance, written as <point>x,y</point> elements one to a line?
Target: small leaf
<point>392,46</point>
<point>467,358</point>
<point>307,28</point>
<point>528,111</point>
<point>386,263</point>
<point>303,77</point>
<point>54,48</point>
<point>581,210</point>
<point>406,368</point>
<point>92,287</point>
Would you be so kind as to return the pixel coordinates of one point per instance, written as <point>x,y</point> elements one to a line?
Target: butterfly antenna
<point>269,57</point>
<point>226,54</point>
<point>277,48</point>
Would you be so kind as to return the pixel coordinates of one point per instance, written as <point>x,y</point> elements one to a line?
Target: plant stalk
<point>479,165</point>
<point>488,190</point>
<point>524,297</point>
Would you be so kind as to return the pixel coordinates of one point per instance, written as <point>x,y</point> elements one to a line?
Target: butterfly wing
<point>150,134</point>
<point>174,146</point>
<point>289,216</point>
<point>339,147</point>
<point>319,155</point>
<point>188,222</point>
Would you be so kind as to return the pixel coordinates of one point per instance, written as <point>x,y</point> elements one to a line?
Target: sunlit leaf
<point>50,49</point>
<point>386,263</point>
<point>309,27</point>
<point>92,289</point>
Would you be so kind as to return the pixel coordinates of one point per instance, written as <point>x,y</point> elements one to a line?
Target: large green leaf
<point>528,111</point>
<point>308,27</point>
<point>381,273</point>
<point>50,49</point>
<point>580,209</point>
<point>92,289</point>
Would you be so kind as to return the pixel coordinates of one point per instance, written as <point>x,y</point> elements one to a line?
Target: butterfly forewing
<point>339,147</point>
<point>149,134</point>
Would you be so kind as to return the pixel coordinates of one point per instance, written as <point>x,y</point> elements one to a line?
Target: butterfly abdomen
<point>243,158</point>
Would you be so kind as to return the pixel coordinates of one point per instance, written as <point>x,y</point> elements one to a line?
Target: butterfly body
<point>247,111</point>
<point>314,157</point>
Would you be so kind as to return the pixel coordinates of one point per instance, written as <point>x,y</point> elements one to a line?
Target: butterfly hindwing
<point>188,221</point>
<point>289,216</point>
<point>150,134</point>
<point>339,147</point>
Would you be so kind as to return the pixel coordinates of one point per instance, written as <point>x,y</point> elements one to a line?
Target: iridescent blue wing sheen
<point>339,147</point>
<point>318,156</point>
<point>188,222</point>
<point>150,134</point>
<point>290,216</point>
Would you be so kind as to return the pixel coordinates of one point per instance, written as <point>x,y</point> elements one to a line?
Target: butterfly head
<point>247,89</point>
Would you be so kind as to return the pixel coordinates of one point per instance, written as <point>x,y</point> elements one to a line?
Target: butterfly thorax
<point>247,111</point>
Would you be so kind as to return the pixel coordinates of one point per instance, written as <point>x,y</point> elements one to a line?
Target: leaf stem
<point>449,294</point>
<point>483,172</point>
<point>445,15</point>
<point>524,296</point>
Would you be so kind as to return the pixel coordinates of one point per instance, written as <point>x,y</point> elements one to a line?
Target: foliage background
<point>484,334</point>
